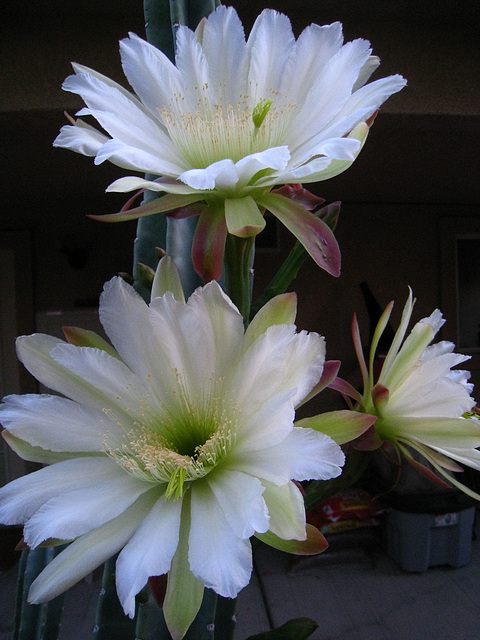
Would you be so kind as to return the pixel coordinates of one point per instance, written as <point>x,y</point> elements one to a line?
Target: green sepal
<point>167,279</point>
<point>315,542</point>
<point>85,338</point>
<point>279,310</point>
<point>243,217</point>
<point>342,426</point>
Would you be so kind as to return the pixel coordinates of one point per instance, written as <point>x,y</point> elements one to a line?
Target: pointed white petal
<point>149,552</point>
<point>218,329</point>
<point>150,73</point>
<point>109,381</point>
<point>265,424</point>
<point>262,373</point>
<point>53,423</point>
<point>131,157</point>
<point>315,46</point>
<point>35,353</point>
<point>126,320</point>
<point>78,511</point>
<point>269,47</point>
<point>313,455</point>
<point>197,89</point>
<point>80,139</point>
<point>217,556</point>
<point>89,551</point>
<point>274,158</point>
<point>240,497</point>
<point>21,498</point>
<point>287,511</point>
<point>224,47</point>
<point>329,93</point>
<point>224,172</point>
<point>132,183</point>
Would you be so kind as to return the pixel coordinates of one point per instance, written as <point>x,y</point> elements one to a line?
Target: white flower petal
<point>313,455</point>
<point>315,46</point>
<point>89,551</point>
<point>78,511</point>
<point>53,423</point>
<point>205,179</point>
<point>149,552</point>
<point>240,497</point>
<point>275,158</point>
<point>35,353</point>
<point>143,65</point>
<point>287,511</point>
<point>197,90</point>
<point>80,139</point>
<point>218,329</point>
<point>217,556</point>
<point>329,93</point>
<point>130,157</point>
<point>266,423</point>
<point>126,320</point>
<point>21,498</point>
<point>109,380</point>
<point>269,47</point>
<point>224,47</point>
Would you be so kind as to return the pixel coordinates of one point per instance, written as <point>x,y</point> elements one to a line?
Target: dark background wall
<point>415,185</point>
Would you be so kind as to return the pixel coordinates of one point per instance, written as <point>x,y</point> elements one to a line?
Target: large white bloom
<point>419,398</point>
<point>173,447</point>
<point>232,118</point>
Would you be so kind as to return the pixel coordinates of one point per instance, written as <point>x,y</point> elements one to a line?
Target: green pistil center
<point>260,112</point>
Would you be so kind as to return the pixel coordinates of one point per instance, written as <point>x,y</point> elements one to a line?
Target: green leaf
<point>297,629</point>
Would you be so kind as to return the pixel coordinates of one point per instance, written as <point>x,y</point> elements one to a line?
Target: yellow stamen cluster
<point>175,448</point>
<point>214,132</point>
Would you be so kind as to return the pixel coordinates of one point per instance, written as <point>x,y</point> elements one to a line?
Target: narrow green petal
<point>286,509</point>
<point>329,374</point>
<point>85,338</point>
<point>451,480</point>
<point>167,279</point>
<point>316,236</point>
<point>315,542</point>
<point>184,592</point>
<point>209,244</point>
<point>379,329</point>
<point>435,432</point>
<point>243,217</point>
<point>160,205</point>
<point>399,336</point>
<point>342,426</point>
<point>279,310</point>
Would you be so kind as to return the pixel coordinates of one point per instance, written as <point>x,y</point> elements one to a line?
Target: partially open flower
<point>419,399</point>
<point>173,447</point>
<point>232,119</point>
